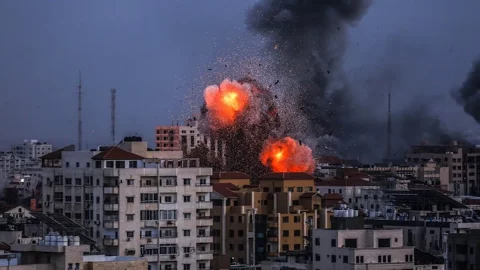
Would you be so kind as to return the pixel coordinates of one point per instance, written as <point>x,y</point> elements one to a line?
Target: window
<point>186,199</point>
<point>317,257</point>
<point>379,259</point>
<point>78,215</point>
<point>132,164</point>
<point>186,232</point>
<point>290,189</point>
<point>130,199</point>
<point>129,182</point>
<point>87,164</point>
<point>130,234</point>
<point>68,181</point>
<point>231,233</point>
<point>296,219</point>
<point>299,189</point>
<point>389,258</point>
<point>285,219</point>
<point>130,217</point>
<point>109,164</point>
<point>148,197</point>
<point>67,164</point>
<point>68,198</point>
<point>201,198</point>
<point>285,233</point>
<point>285,247</point>
<point>334,258</point>
<point>216,218</point>
<point>186,181</point>
<point>240,219</point>
<point>168,199</point>
<point>277,189</point>
<point>78,181</point>
<point>186,267</point>
<point>296,233</point>
<point>78,198</point>
<point>240,233</point>
<point>203,181</point>
<point>98,164</point>
<point>351,243</point>
<point>240,247</point>
<point>345,259</point>
<point>119,164</point>
<point>384,242</point>
<point>334,242</point>
<point>317,241</point>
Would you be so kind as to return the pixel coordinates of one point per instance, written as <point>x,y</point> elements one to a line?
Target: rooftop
<point>230,175</point>
<point>346,182</point>
<point>225,190</point>
<point>286,176</point>
<point>115,153</point>
<point>58,153</point>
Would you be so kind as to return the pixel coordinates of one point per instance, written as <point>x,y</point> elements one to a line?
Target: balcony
<point>110,190</point>
<point>204,221</point>
<point>168,223</point>
<point>205,255</point>
<point>204,239</point>
<point>204,205</point>
<point>110,224</point>
<point>150,223</point>
<point>203,188</point>
<point>110,241</point>
<point>110,207</point>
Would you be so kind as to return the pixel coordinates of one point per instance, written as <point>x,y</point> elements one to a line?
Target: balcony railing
<point>110,207</point>
<point>107,241</point>
<point>110,190</point>
<point>204,205</point>
<point>110,224</point>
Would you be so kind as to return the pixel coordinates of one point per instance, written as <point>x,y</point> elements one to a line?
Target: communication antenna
<point>80,110</point>
<point>389,130</point>
<point>113,108</point>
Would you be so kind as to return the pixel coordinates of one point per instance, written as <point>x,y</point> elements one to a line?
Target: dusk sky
<point>154,52</point>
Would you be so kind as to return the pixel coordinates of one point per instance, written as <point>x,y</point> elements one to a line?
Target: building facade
<point>32,149</point>
<point>154,208</point>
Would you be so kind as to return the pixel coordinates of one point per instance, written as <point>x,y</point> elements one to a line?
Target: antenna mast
<point>389,130</point>
<point>80,110</point>
<point>113,97</point>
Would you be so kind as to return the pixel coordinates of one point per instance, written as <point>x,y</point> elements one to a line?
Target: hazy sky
<point>152,52</point>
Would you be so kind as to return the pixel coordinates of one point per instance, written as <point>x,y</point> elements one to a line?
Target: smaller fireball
<point>226,102</point>
<point>287,155</point>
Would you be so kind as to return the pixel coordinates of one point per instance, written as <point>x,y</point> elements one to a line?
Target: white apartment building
<point>349,189</point>
<point>154,208</point>
<point>32,149</point>
<point>360,249</point>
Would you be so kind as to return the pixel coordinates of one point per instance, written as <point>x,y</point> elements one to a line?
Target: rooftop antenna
<point>389,131</point>
<point>113,101</point>
<point>80,110</point>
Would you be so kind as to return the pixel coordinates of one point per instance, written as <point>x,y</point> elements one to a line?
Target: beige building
<point>255,222</point>
<point>434,174</point>
<point>155,207</point>
<point>361,249</point>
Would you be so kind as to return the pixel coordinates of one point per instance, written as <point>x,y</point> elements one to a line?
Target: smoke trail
<point>468,95</point>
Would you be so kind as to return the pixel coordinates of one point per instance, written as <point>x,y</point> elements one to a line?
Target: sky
<point>156,52</point>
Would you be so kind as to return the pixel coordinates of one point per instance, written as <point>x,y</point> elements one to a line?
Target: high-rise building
<point>255,222</point>
<point>32,149</point>
<point>156,207</point>
<point>187,137</point>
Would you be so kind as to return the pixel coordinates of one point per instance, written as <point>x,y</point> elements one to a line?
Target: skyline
<point>135,49</point>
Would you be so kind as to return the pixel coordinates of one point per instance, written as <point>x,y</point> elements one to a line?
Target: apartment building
<point>349,188</point>
<point>464,250</point>
<point>451,156</point>
<point>156,207</point>
<point>187,137</point>
<point>358,248</point>
<point>255,222</point>
<point>433,174</point>
<point>31,149</point>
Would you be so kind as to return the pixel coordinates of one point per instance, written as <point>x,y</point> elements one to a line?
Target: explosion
<point>225,102</point>
<point>287,155</point>
<point>244,115</point>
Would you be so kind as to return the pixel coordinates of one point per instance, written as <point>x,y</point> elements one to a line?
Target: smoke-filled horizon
<point>309,41</point>
<point>468,95</point>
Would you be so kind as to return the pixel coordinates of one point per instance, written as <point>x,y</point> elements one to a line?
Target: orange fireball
<point>287,155</point>
<point>225,102</point>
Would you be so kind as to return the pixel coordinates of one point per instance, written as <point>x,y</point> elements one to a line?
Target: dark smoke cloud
<point>308,41</point>
<point>468,95</point>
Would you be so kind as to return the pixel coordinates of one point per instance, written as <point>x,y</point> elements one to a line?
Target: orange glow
<point>225,102</point>
<point>287,155</point>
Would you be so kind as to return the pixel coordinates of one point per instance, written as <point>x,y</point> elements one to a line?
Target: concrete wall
<point>28,267</point>
<point>137,265</point>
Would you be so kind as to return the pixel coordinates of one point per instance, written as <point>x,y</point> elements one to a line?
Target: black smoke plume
<point>308,41</point>
<point>468,95</point>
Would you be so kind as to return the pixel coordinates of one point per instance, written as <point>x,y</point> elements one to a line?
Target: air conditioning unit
<point>187,255</point>
<point>149,240</point>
